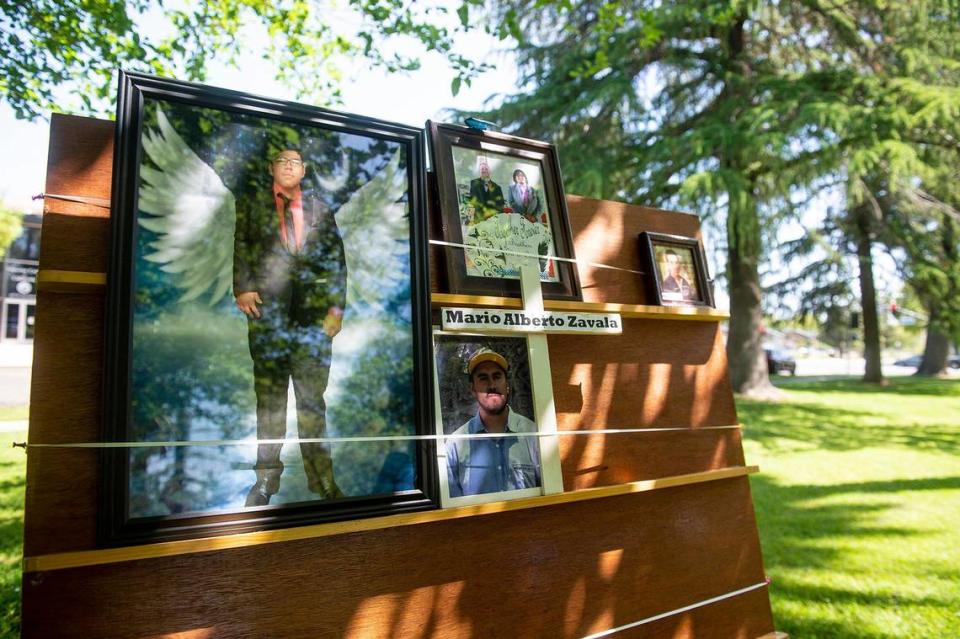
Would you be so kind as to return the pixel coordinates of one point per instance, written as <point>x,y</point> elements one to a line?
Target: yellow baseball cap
<point>486,355</point>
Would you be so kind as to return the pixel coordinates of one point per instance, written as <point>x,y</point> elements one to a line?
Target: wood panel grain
<point>731,618</point>
<point>562,571</point>
<point>606,232</point>
<point>588,461</point>
<point>80,158</point>
<point>102,556</point>
<point>79,163</point>
<point>657,373</point>
<point>74,242</point>
<point>62,485</point>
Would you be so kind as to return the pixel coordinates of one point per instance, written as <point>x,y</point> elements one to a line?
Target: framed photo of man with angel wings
<point>268,339</point>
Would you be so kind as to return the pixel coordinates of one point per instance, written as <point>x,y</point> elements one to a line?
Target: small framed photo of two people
<point>501,202</point>
<point>268,298</point>
<point>490,449</point>
<point>675,270</point>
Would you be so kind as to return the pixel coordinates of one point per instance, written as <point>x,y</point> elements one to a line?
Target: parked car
<point>913,361</point>
<point>779,361</point>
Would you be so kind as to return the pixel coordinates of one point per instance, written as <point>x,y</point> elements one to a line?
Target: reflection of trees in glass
<point>191,381</point>
<point>376,399</point>
<point>457,403</point>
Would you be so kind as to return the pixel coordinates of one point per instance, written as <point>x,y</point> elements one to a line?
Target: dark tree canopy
<point>745,109</point>
<point>63,55</point>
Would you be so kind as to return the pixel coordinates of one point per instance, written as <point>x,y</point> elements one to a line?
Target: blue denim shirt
<point>496,464</point>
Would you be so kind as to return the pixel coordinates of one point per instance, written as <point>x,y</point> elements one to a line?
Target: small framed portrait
<point>268,258</point>
<point>501,203</point>
<point>676,270</point>
<point>485,414</point>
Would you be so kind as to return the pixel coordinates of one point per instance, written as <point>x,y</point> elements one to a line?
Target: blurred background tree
<point>10,224</point>
<point>742,112</point>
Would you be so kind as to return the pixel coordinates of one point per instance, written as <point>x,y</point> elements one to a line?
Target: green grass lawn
<point>12,478</point>
<point>14,413</point>
<point>858,504</point>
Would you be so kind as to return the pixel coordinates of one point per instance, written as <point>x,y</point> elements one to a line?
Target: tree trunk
<point>748,362</point>
<point>936,350</point>
<point>868,301</point>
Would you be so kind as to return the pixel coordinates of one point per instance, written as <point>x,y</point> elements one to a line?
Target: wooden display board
<point>651,522</point>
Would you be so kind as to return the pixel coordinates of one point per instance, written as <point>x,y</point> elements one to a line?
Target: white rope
<point>103,203</point>
<point>664,615</point>
<point>369,438</point>
<point>474,247</point>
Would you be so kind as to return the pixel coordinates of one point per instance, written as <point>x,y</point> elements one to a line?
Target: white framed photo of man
<point>490,447</point>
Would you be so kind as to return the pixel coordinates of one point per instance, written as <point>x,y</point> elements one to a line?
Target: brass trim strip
<point>83,278</point>
<point>83,558</point>
<point>695,313</point>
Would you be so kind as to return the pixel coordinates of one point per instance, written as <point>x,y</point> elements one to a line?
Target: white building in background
<point>19,284</point>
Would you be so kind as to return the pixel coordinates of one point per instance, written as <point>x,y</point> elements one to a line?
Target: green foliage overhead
<point>717,102</point>
<point>63,54</point>
<point>11,223</point>
<point>893,145</point>
<point>923,222</point>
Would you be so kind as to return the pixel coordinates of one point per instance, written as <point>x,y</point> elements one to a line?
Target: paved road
<point>14,386</point>
<point>15,363</point>
<point>832,366</point>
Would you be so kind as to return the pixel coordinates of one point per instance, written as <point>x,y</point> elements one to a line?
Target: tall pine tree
<point>732,107</point>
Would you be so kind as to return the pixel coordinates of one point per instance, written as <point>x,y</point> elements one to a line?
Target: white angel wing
<point>192,212</point>
<point>376,238</point>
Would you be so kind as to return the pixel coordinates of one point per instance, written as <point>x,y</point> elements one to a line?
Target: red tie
<point>287,228</point>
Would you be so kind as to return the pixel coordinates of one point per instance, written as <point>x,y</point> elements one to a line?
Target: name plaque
<point>515,321</point>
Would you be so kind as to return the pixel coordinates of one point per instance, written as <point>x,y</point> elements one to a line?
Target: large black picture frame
<point>116,525</point>
<point>445,141</point>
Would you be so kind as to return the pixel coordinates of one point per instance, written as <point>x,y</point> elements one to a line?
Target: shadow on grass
<point>893,386</point>
<point>12,482</point>
<point>11,547</point>
<point>791,426</point>
<point>798,533</point>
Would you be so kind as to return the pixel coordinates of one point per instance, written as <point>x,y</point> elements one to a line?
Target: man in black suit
<point>486,196</point>
<point>290,280</point>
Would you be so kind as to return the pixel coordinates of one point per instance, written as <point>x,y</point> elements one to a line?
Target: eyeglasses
<point>295,163</point>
